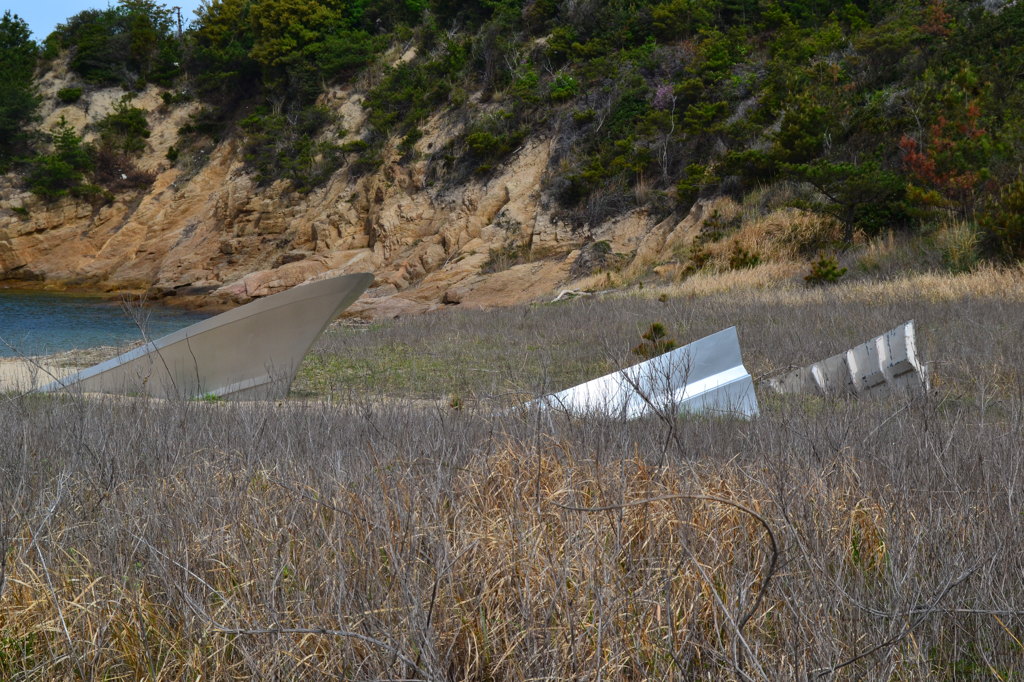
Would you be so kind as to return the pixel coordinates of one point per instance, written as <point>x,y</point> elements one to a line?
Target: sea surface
<point>40,323</point>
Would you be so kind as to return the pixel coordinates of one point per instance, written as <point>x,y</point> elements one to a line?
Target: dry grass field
<point>395,521</point>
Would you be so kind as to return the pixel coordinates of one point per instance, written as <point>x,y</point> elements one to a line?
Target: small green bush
<point>525,87</point>
<point>368,161</point>
<point>170,98</point>
<point>492,138</point>
<point>825,270</point>
<point>563,87</point>
<point>69,95</point>
<point>741,258</point>
<point>696,176</point>
<point>50,177</point>
<point>655,342</point>
<point>583,116</point>
<point>411,90</point>
<point>355,147</point>
<point>125,128</point>
<point>410,139</point>
<point>208,121</point>
<point>94,194</point>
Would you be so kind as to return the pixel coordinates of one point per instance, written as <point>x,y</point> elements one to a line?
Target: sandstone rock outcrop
<point>210,235</point>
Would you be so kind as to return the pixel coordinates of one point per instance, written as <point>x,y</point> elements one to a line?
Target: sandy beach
<point>19,375</point>
<point>28,373</point>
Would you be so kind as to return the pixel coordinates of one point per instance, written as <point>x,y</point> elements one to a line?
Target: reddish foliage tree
<point>953,160</point>
<point>937,20</point>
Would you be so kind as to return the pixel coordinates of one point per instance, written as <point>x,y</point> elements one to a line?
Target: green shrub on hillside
<point>61,172</point>
<point>563,87</point>
<point>82,170</point>
<point>695,177</point>
<point>69,95</point>
<point>125,128</point>
<point>492,138</point>
<point>525,88</point>
<point>861,196</point>
<point>412,90</point>
<point>741,258</point>
<point>289,146</point>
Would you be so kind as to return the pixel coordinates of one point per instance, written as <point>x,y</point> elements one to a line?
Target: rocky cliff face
<point>210,235</point>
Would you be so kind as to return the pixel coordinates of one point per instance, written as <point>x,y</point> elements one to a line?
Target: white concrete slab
<point>706,376</point>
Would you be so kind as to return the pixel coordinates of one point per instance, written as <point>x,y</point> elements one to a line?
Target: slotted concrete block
<point>876,367</point>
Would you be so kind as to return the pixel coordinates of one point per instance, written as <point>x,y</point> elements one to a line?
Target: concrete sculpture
<point>705,376</point>
<point>252,351</point>
<point>877,367</point>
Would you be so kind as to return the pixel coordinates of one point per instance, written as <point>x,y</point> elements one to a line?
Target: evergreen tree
<point>18,98</point>
<point>52,176</point>
<point>123,45</point>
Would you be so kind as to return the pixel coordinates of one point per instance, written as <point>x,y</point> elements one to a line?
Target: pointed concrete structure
<point>250,352</point>
<point>706,376</point>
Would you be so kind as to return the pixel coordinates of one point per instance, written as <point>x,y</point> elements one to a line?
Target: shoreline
<point>191,303</point>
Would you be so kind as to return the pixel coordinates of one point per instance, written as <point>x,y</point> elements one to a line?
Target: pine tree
<point>18,98</point>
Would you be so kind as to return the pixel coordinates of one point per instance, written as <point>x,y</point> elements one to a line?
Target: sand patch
<point>18,375</point>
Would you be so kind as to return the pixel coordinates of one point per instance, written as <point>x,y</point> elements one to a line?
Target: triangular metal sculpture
<point>876,367</point>
<point>250,352</point>
<point>706,376</point>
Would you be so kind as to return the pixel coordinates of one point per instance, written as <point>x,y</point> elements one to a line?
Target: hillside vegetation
<point>873,116</point>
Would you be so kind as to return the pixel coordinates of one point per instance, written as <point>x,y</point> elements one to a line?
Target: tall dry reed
<point>370,537</point>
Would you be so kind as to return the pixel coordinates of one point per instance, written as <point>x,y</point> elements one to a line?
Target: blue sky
<point>44,15</point>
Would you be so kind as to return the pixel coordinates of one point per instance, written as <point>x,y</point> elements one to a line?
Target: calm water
<point>39,323</point>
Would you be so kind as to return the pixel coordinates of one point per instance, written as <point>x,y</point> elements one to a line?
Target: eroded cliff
<point>205,232</point>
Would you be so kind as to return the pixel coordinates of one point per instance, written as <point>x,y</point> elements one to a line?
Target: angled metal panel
<point>704,376</point>
<point>252,351</point>
<point>876,367</point>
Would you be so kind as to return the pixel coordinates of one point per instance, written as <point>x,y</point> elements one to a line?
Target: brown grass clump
<point>772,275</point>
<point>773,283</point>
<point>984,282</point>
<point>524,563</point>
<point>783,235</point>
<point>502,576</point>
